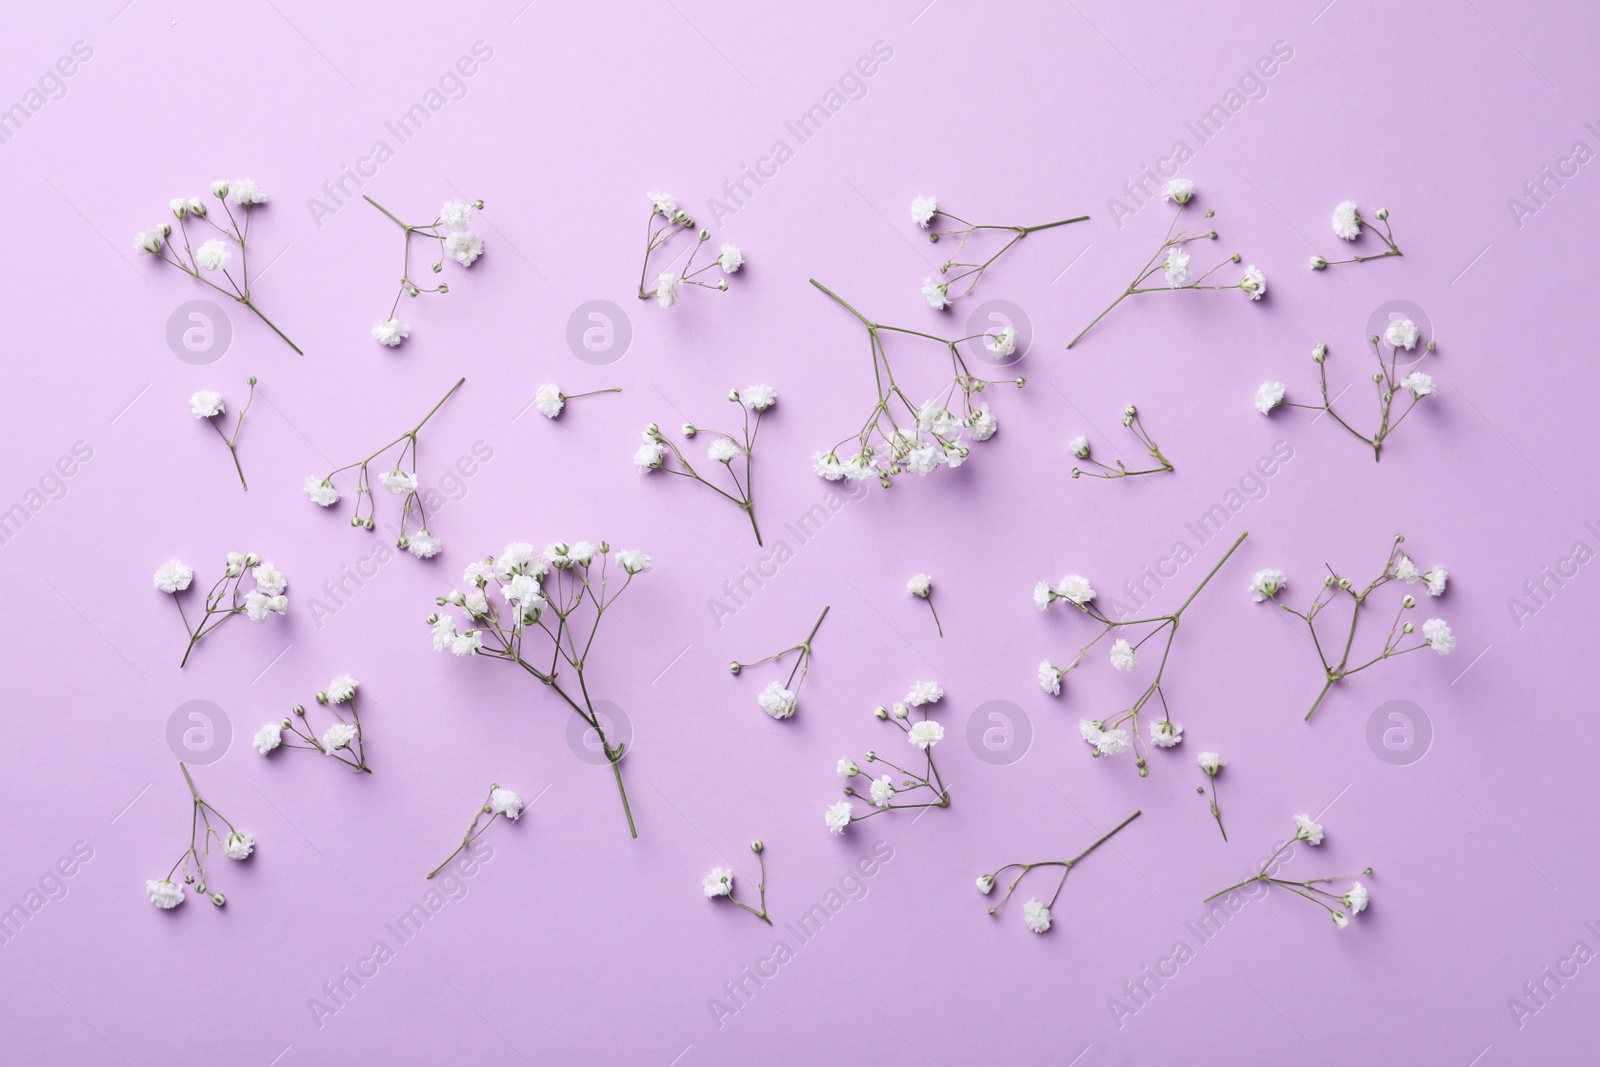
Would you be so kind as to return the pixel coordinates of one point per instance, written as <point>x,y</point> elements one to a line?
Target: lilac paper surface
<point>573,942</point>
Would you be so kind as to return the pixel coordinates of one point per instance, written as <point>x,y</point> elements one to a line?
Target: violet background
<point>575,941</point>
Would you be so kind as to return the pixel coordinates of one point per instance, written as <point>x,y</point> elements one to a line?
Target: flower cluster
<point>226,598</point>
<point>1391,378</point>
<point>1171,260</point>
<point>500,803</point>
<point>666,221</point>
<point>921,587</point>
<point>1130,419</point>
<point>207,404</point>
<point>1336,656</point>
<point>166,893</point>
<point>924,210</point>
<point>881,791</point>
<point>511,603</point>
<point>457,240</point>
<point>551,400</point>
<point>900,435</point>
<point>719,883</point>
<point>401,481</point>
<point>659,452</point>
<point>1035,912</point>
<point>778,699</point>
<point>1119,733</point>
<point>1340,906</point>
<point>214,254</point>
<point>1347,223</point>
<point>1211,765</point>
<point>343,739</point>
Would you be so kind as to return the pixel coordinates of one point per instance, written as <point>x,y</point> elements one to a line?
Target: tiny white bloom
<point>1076,588</point>
<point>936,293</point>
<point>1036,915</point>
<point>668,286</point>
<point>444,634</point>
<point>983,423</point>
<point>1356,899</point>
<point>269,579</point>
<point>148,242</point>
<point>1340,919</point>
<point>505,802</point>
<point>759,397</point>
<point>1122,657</point>
<point>1211,763</point>
<point>268,737</point>
<point>243,192</point>
<point>1346,222</point>
<point>1437,633</point>
<point>424,545</point>
<point>1436,580</point>
<point>1042,595</point>
<point>213,254</point>
<point>925,734</point>
<point>342,688</point>
<point>777,701</point>
<point>238,845</point>
<point>338,735</point>
<point>257,605</point>
<point>1266,583</point>
<point>464,247</point>
<point>1419,384</point>
<point>1003,343</point>
<point>924,693</point>
<point>164,894</point>
<point>882,791</point>
<point>649,456</point>
<point>390,331</point>
<point>923,461</point>
<point>1254,283</point>
<point>1080,447</point>
<point>1405,570</point>
<point>719,883</point>
<point>827,465</point>
<point>633,561</point>
<point>729,258</point>
<point>205,404</point>
<point>985,884</point>
<point>399,482</point>
<point>1269,396</point>
<point>1164,733</point>
<point>1176,267</point>
<point>549,400</point>
<point>722,450</point>
<point>838,816</point>
<point>321,491</point>
<point>923,209</point>
<point>847,769</point>
<point>920,584</point>
<point>663,203</point>
<point>1307,830</point>
<point>1402,333</point>
<point>1112,742</point>
<point>1049,678</point>
<point>455,214</point>
<point>1178,190</point>
<point>173,576</point>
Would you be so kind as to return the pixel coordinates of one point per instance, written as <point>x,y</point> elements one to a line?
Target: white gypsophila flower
<point>899,710</point>
<point>1211,763</point>
<point>1164,733</point>
<point>549,400</point>
<point>1112,742</point>
<point>1356,898</point>
<point>1176,267</point>
<point>213,254</point>
<point>759,397</point>
<point>466,644</point>
<point>663,203</point>
<point>983,423</point>
<point>455,214</point>
<point>859,468</point>
<point>1402,333</point>
<point>342,688</point>
<point>838,816</point>
<point>424,545</point>
<point>1266,583</point>
<point>1003,343</point>
<point>464,246</point>
<point>205,404</point>
<point>238,845</point>
<point>1049,678</point>
<point>847,769</point>
<point>933,417</point>
<point>257,605</point>
<point>923,461</point>
<point>444,633</point>
<point>936,293</point>
<point>1307,829</point>
<point>1436,578</point>
<point>882,791</point>
<point>1340,919</point>
<point>827,465</point>
<point>777,701</point>
<point>148,242</point>
<point>518,557</point>
<point>955,453</point>
<point>399,482</point>
<point>1036,915</point>
<point>920,584</point>
<point>219,189</point>
<point>722,450</point>
<point>1122,657</point>
<point>390,331</point>
<point>667,287</point>
<point>1254,283</point>
<point>924,693</point>
<point>163,893</point>
<point>321,491</point>
<point>1178,190</point>
<point>236,562</point>
<point>477,574</point>
<point>1317,262</point>
<point>268,737</point>
<point>173,576</point>
<point>244,192</point>
<point>633,561</point>
<point>338,735</point>
<point>985,884</point>
<point>1437,633</point>
<point>719,883</point>
<point>505,802</point>
<point>581,551</point>
<point>1346,222</point>
<point>268,578</point>
<point>650,456</point>
<point>1406,570</point>
<point>476,603</point>
<point>925,734</point>
<point>1089,730</point>
<point>1079,447</point>
<point>1042,595</point>
<point>1268,396</point>
<point>923,209</point>
<point>1076,588</point>
<point>729,258</point>
<point>1419,384</point>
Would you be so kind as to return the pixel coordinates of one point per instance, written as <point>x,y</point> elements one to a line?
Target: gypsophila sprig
<point>551,400</point>
<point>778,699</point>
<point>214,254</point>
<point>1401,335</point>
<point>167,893</point>
<point>900,435</point>
<point>208,406</point>
<point>1347,223</point>
<point>227,597</point>
<point>925,212</point>
<point>659,452</point>
<point>719,883</point>
<point>888,792</point>
<point>510,605</point>
<point>666,221</point>
<point>921,587</point>
<point>1211,765</point>
<point>1130,418</point>
<point>457,241</point>
<point>1036,913</point>
<point>500,803</point>
<point>1171,261</point>
<point>1119,733</point>
<point>1341,907</point>
<point>400,481</point>
<point>1336,656</point>
<point>343,739</point>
